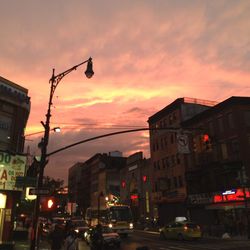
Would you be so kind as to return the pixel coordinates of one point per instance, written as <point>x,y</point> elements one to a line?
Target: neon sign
<point>238,195</point>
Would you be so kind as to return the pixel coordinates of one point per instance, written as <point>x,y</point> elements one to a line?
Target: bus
<point>117,217</point>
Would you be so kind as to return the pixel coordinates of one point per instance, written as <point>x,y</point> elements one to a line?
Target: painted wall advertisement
<point>11,166</point>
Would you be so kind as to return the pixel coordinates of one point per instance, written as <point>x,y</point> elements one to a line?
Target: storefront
<point>221,212</point>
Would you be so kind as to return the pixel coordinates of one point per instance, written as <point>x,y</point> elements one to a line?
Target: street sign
<point>182,143</point>
<point>25,181</point>
<point>34,191</point>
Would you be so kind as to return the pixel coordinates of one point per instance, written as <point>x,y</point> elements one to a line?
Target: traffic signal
<point>206,142</point>
<point>50,203</point>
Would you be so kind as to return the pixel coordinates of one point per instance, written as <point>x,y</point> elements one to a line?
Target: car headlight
<point>110,225</point>
<point>77,230</point>
<point>85,234</point>
<point>131,226</point>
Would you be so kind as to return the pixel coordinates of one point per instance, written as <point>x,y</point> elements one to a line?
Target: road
<point>139,239</point>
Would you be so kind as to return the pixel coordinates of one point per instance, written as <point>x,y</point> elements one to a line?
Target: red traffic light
<point>206,138</point>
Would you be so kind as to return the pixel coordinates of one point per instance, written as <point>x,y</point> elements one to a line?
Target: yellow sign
<point>11,166</point>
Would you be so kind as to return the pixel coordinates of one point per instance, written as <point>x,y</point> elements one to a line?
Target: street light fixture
<point>54,81</point>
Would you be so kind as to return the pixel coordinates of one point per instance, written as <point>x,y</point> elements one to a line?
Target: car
<point>80,227</point>
<point>181,230</point>
<point>110,238</point>
<point>87,234</point>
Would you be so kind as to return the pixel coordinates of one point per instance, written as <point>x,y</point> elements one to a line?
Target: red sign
<point>134,197</point>
<point>238,196</point>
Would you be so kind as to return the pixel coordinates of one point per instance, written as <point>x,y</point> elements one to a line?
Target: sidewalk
<point>25,245</point>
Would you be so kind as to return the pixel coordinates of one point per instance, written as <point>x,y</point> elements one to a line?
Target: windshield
<point>120,213</point>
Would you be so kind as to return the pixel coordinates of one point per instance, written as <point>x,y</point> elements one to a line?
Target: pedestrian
<point>56,238</point>
<point>71,241</point>
<point>97,238</point>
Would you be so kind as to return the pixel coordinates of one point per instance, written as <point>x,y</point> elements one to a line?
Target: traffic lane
<point>153,241</point>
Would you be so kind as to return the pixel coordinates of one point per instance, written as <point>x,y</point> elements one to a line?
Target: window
<point>220,124</point>
<point>168,183</point>
<point>224,151</point>
<point>230,120</point>
<point>158,165</point>
<point>165,141</point>
<point>173,160</point>
<point>172,138</point>
<point>155,165</point>
<point>247,117</point>
<point>175,182</point>
<point>178,161</point>
<point>167,162</point>
<point>180,181</point>
<point>163,163</point>
<point>235,146</point>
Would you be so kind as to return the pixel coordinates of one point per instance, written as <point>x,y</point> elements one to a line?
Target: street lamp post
<point>54,81</point>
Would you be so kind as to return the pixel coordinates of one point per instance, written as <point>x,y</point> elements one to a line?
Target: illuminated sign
<point>11,166</point>
<point>227,197</point>
<point>233,191</point>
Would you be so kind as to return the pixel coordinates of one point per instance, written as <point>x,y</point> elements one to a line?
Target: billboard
<point>11,166</point>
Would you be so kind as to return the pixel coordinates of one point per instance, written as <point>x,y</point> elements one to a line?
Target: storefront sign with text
<point>11,166</point>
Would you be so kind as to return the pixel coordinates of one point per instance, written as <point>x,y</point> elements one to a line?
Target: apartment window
<point>162,143</point>
<point>163,163</point>
<point>230,120</point>
<point>220,124</point>
<point>247,117</point>
<point>180,181</point>
<point>178,161</point>
<point>167,162</point>
<point>156,145</point>
<point>173,160</point>
<point>235,146</point>
<point>224,151</point>
<point>170,118</point>
<point>175,182</point>
<point>211,128</point>
<point>165,141</point>
<point>172,138</point>
<point>168,183</point>
<point>155,165</point>
<point>158,165</point>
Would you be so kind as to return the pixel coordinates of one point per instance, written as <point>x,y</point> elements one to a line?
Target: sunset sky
<point>146,53</point>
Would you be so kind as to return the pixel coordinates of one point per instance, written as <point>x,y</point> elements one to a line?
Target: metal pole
<point>43,163</point>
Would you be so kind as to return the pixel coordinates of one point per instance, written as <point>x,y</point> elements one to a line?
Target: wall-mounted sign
<point>11,166</point>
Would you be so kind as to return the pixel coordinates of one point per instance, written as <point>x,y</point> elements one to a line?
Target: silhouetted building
<point>169,188</point>
<point>216,179</point>
<point>136,186</point>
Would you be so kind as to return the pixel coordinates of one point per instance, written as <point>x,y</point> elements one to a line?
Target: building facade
<point>98,177</point>
<point>218,168</point>
<point>136,187</point>
<point>14,113</point>
<point>169,188</point>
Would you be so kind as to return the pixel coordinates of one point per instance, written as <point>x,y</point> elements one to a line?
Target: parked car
<point>80,227</point>
<point>182,230</point>
<point>110,238</point>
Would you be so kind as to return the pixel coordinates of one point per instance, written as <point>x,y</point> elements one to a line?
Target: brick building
<point>169,188</point>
